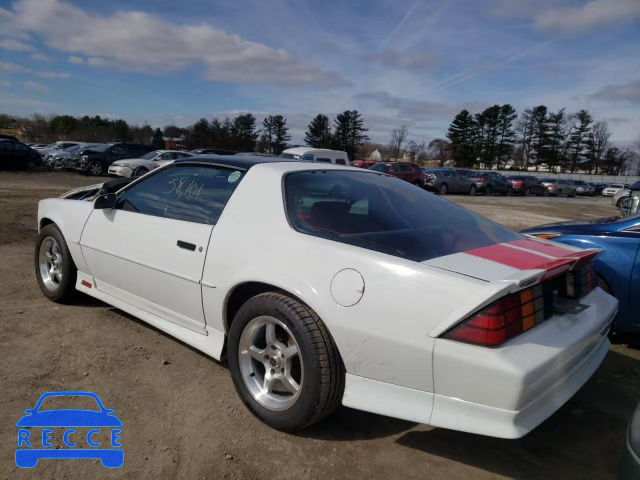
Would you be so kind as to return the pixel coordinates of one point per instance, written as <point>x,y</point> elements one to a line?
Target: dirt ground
<point>182,418</point>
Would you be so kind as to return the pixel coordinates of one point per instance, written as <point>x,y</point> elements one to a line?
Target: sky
<point>414,63</point>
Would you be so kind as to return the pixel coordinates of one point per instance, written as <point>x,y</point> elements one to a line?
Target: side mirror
<point>105,201</point>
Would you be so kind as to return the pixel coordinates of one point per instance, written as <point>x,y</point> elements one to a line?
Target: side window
<point>7,146</point>
<point>447,173</point>
<point>166,156</point>
<point>118,149</point>
<point>341,161</point>
<point>307,157</point>
<point>323,160</point>
<point>20,147</point>
<point>190,193</point>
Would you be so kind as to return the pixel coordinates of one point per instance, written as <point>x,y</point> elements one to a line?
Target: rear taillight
<point>482,179</point>
<point>516,183</point>
<point>503,319</point>
<point>580,282</point>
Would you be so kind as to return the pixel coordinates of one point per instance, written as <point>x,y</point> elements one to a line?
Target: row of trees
<point>496,137</point>
<point>241,133</point>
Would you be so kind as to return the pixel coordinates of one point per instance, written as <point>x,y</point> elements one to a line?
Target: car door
<point>7,154</point>
<point>149,250</point>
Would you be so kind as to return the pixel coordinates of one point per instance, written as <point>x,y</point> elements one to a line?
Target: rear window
<point>385,214</point>
<point>381,167</point>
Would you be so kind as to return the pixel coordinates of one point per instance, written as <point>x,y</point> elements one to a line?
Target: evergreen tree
<point>318,134</point>
<point>506,134</point>
<point>557,139</point>
<point>579,137</point>
<point>243,131</point>
<point>349,132</point>
<point>539,135</point>
<point>200,134</point>
<point>461,138</point>
<point>488,135</point>
<point>157,142</point>
<point>274,134</point>
<point>524,127</point>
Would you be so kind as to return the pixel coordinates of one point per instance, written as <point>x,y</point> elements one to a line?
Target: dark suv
<point>15,154</point>
<point>491,182</point>
<point>408,172</point>
<point>96,161</point>
<point>528,185</point>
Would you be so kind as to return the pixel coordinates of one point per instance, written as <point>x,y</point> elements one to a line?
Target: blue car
<point>618,266</point>
<point>32,447</point>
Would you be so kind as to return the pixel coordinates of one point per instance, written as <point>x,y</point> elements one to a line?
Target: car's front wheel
<point>55,270</point>
<point>95,169</point>
<point>283,362</point>
<point>138,172</point>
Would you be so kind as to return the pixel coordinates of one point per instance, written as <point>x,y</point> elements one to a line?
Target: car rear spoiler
<point>493,290</point>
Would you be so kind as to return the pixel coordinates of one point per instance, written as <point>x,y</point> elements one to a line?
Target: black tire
<point>418,183</point>
<point>322,367</point>
<point>138,172</point>
<point>527,192</point>
<point>572,194</point>
<point>94,169</point>
<point>66,289</point>
<point>508,192</point>
<point>545,193</point>
<point>472,190</point>
<point>444,189</point>
<point>487,190</point>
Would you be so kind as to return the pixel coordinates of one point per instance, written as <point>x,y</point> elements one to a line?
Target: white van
<point>318,155</point>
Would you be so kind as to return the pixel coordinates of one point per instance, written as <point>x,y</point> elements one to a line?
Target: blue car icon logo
<point>69,433</point>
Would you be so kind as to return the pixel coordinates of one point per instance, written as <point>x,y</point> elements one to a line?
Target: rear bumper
<point>507,391</point>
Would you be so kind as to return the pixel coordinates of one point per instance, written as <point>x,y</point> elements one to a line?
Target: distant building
<point>173,143</point>
<point>375,156</point>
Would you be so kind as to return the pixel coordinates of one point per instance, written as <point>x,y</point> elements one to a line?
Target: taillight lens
<point>482,179</point>
<point>580,281</point>
<point>503,319</point>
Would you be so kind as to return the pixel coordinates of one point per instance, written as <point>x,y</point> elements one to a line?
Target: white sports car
<point>327,284</point>
<point>135,167</point>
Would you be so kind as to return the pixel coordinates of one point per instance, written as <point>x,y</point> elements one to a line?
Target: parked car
<point>444,180</point>
<point>528,185</point>
<point>56,157</point>
<point>53,147</point>
<point>559,186</point>
<point>211,151</point>
<point>501,348</point>
<point>16,155</point>
<point>362,164</point>
<point>96,161</point>
<point>11,137</point>
<point>597,188</point>
<point>135,167</point>
<point>629,468</point>
<point>70,162</point>
<point>620,195</point>
<point>257,154</point>
<point>319,155</point>
<point>583,188</point>
<point>408,172</point>
<point>614,188</point>
<point>617,267</point>
<point>491,182</point>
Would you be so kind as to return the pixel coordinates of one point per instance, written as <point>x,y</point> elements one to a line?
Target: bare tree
<point>597,144</point>
<point>412,150</point>
<point>439,149</point>
<point>398,136</point>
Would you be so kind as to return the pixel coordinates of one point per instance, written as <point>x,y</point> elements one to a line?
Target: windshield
<point>103,148</point>
<point>615,185</point>
<point>286,155</point>
<point>151,155</point>
<point>385,214</point>
<point>68,402</point>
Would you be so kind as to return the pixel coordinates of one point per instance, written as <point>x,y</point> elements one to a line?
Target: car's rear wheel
<point>472,190</point>
<point>545,192</point>
<point>55,270</point>
<point>95,168</point>
<point>488,191</point>
<point>283,362</point>
<point>443,189</point>
<point>138,172</point>
<point>572,194</point>
<point>527,192</point>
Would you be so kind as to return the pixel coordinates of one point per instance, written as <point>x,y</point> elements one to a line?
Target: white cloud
<point>405,60</point>
<point>141,42</point>
<point>14,68</point>
<point>35,86</point>
<point>40,57</point>
<point>627,92</point>
<point>96,61</point>
<point>15,45</point>
<point>76,59</point>
<point>593,14</point>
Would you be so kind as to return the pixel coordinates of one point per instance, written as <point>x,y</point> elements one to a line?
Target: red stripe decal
<point>509,256</point>
<point>541,247</point>
<point>85,284</point>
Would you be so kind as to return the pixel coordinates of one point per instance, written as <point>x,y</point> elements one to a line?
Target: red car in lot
<point>362,164</point>
<point>409,172</point>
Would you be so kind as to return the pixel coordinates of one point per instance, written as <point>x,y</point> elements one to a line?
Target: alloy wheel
<point>50,263</point>
<point>270,363</point>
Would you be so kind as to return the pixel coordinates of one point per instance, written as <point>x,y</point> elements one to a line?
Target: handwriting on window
<point>184,186</point>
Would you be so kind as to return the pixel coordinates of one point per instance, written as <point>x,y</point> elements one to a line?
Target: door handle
<point>187,245</point>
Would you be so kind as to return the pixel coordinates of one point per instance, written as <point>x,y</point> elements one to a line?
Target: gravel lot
<point>182,418</point>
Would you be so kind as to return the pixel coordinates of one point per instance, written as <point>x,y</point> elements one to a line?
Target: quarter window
<point>323,160</point>
<point>190,193</point>
<point>340,161</point>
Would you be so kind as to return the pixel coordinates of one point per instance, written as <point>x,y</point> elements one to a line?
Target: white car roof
<point>303,150</point>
